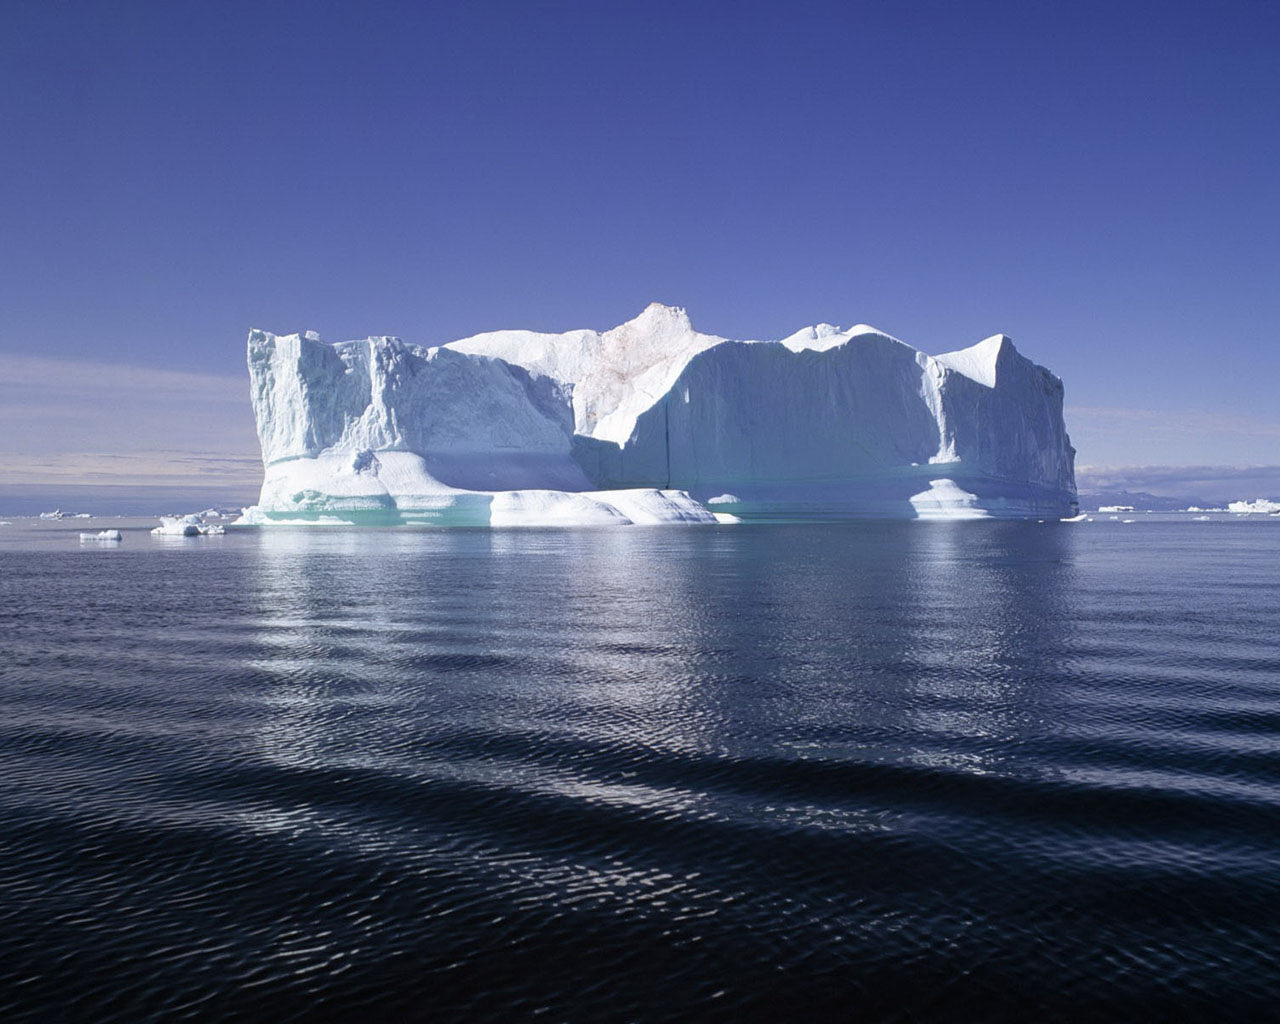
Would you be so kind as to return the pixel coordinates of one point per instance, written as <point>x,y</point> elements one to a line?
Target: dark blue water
<point>878,771</point>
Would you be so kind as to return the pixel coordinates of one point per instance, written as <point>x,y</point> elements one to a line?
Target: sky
<point>1101,181</point>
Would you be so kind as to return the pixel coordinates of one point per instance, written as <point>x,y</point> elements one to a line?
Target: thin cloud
<point>1173,423</point>
<point>30,379</point>
<point>150,469</point>
<point>1106,435</point>
<point>1216,482</point>
<point>68,416</point>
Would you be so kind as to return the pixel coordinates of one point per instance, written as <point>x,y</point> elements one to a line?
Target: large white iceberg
<point>648,421</point>
<point>1258,505</point>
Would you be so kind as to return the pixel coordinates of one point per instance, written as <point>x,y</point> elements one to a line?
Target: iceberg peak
<point>655,319</point>
<point>821,337</point>
<point>980,362</point>
<point>813,337</point>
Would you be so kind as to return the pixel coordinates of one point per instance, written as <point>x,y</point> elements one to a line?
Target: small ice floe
<point>57,513</point>
<point>1128,520</point>
<point>83,515</point>
<point>724,499</point>
<point>177,526</point>
<point>102,535</point>
<point>1203,519</point>
<point>1083,517</point>
<point>186,526</point>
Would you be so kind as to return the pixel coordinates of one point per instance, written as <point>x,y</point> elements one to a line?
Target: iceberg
<point>187,526</point>
<point>103,535</point>
<point>177,526</point>
<point>651,422</point>
<point>1257,506</point>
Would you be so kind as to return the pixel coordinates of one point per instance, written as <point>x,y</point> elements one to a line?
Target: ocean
<point>876,771</point>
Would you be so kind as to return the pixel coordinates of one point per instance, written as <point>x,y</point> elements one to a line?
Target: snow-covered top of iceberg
<point>613,376</point>
<point>609,379</point>
<point>977,362</point>
<point>616,374</point>
<point>619,373</point>
<point>821,337</point>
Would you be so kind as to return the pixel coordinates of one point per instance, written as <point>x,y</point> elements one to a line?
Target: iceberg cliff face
<point>643,422</point>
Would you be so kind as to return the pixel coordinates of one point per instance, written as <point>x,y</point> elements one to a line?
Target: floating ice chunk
<point>177,526</point>
<point>1081,518</point>
<point>1128,520</point>
<point>57,513</point>
<point>724,499</point>
<point>1258,505</point>
<point>186,526</point>
<point>103,535</point>
<point>1116,508</point>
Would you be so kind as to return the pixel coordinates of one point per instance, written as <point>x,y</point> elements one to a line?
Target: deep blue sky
<point>1097,180</point>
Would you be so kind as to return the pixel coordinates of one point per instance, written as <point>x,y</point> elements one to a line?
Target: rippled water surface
<point>877,771</point>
